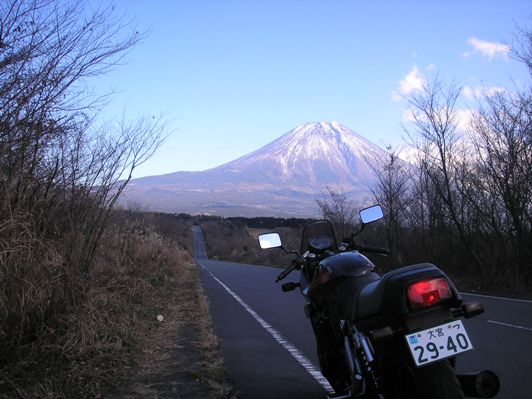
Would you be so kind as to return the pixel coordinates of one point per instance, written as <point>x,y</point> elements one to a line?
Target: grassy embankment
<point>111,342</point>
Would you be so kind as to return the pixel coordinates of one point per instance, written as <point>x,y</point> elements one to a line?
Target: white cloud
<point>410,155</point>
<point>468,92</point>
<point>464,117</point>
<point>412,82</point>
<point>409,115</point>
<point>489,49</point>
<point>482,91</point>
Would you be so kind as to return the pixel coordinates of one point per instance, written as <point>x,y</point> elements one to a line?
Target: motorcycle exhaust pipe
<point>483,384</point>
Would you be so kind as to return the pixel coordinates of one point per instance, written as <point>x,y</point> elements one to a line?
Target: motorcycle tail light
<point>425,293</point>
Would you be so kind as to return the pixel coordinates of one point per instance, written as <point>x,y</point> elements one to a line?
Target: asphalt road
<point>269,350</point>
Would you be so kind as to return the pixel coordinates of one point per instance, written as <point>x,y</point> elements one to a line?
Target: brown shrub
<point>82,349</point>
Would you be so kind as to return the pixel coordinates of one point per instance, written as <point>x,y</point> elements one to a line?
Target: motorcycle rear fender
<point>384,301</point>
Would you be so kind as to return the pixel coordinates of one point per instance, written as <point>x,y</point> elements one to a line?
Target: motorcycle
<point>395,335</point>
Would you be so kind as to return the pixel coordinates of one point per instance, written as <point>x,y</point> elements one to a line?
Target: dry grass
<point>110,336</point>
<point>29,277</point>
<point>233,241</point>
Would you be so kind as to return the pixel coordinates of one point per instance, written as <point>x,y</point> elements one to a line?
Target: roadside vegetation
<point>234,239</point>
<point>81,285</point>
<point>141,326</point>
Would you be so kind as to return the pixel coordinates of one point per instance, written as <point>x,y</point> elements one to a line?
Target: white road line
<point>498,297</point>
<point>509,325</point>
<point>296,353</point>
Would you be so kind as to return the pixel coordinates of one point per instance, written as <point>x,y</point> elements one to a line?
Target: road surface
<point>268,346</point>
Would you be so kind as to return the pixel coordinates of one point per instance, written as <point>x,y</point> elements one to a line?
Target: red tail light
<point>426,293</point>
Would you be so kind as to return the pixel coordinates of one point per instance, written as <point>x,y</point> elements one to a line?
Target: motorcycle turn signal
<point>469,310</point>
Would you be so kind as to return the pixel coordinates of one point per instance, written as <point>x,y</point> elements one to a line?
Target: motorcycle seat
<point>370,298</point>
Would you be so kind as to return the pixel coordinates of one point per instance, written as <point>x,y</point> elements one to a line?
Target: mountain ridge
<point>284,177</point>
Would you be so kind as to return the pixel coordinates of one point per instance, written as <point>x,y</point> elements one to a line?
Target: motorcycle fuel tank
<point>347,264</point>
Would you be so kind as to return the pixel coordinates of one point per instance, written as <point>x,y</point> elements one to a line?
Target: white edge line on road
<point>509,325</point>
<point>296,353</point>
<point>497,297</point>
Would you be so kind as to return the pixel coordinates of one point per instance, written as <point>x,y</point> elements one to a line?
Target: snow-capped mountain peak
<point>285,177</point>
<point>316,153</point>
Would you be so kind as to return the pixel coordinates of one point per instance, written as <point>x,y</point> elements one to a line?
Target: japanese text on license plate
<point>438,342</point>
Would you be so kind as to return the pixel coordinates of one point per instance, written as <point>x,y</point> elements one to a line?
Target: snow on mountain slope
<point>312,154</point>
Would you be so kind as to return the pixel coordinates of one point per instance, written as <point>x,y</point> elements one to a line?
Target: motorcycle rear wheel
<point>435,381</point>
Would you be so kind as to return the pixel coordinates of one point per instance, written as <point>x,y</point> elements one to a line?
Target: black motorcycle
<point>390,336</point>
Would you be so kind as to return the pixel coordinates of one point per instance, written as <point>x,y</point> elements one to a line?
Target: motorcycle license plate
<point>438,342</point>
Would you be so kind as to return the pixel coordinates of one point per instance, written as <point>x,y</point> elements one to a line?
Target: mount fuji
<point>283,178</point>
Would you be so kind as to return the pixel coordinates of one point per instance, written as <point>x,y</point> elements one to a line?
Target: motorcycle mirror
<point>270,240</point>
<point>371,214</point>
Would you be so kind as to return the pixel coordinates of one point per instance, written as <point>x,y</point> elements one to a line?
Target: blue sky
<point>232,76</point>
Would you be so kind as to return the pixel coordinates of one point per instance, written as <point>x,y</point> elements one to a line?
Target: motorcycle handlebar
<point>295,264</point>
<point>285,273</point>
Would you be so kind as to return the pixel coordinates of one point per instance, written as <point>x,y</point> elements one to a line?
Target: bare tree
<point>436,137</point>
<point>467,199</point>
<point>60,174</point>
<point>339,210</point>
<point>392,192</point>
<point>48,50</point>
<point>503,134</point>
<point>521,48</point>
<point>95,168</point>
